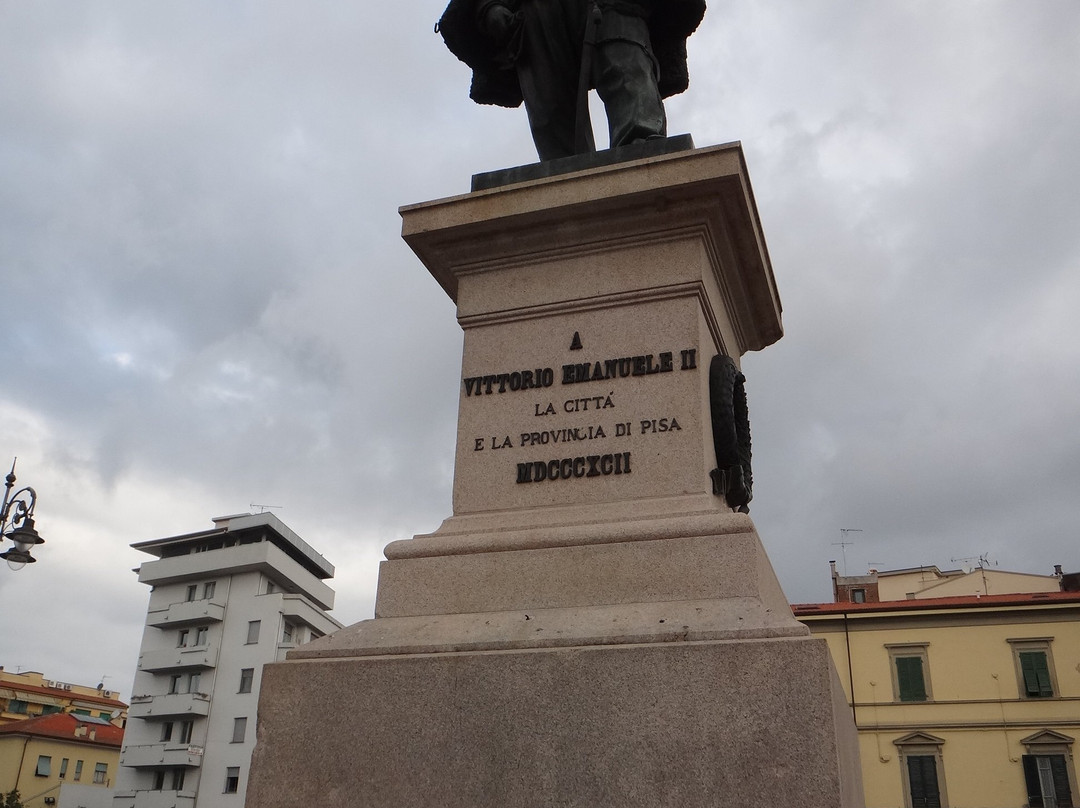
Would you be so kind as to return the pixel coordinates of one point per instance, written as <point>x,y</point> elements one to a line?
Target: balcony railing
<point>154,799</point>
<point>165,659</point>
<point>174,704</point>
<point>187,613</point>
<point>166,753</point>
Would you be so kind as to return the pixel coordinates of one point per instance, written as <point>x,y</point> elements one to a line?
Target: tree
<point>11,799</point>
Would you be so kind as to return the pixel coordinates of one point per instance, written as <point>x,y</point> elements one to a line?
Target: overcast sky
<point>206,304</point>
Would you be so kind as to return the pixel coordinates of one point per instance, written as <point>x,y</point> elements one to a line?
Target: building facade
<point>920,583</point>
<point>223,603</point>
<point>52,759</point>
<point>29,695</point>
<point>965,700</point>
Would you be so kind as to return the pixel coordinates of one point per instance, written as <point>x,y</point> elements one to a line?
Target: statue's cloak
<point>494,82</point>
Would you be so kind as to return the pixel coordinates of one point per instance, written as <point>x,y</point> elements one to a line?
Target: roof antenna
<point>983,559</point>
<point>984,562</point>
<point>265,508</point>
<point>845,544</point>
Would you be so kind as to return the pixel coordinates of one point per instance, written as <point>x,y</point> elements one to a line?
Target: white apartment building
<point>223,603</point>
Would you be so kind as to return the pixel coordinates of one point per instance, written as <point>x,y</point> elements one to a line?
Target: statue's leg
<point>548,69</point>
<point>626,78</point>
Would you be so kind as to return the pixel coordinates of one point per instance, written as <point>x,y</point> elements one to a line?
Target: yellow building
<point>29,694</point>
<point>919,583</point>
<point>39,756</point>
<point>968,701</point>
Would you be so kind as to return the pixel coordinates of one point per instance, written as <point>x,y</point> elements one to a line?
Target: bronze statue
<point>550,53</point>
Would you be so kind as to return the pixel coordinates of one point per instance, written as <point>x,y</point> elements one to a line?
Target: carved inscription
<point>593,427</point>
<point>514,381</point>
<point>574,468</point>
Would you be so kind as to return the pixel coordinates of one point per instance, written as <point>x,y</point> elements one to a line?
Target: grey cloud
<point>212,306</point>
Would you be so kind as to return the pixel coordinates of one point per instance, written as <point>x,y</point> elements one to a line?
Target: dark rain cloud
<point>207,304</point>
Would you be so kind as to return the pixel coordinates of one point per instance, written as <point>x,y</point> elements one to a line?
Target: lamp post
<point>18,514</point>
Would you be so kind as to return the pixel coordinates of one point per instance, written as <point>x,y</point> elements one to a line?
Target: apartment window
<point>49,709</point>
<point>232,779</point>
<point>101,771</point>
<point>185,731</point>
<point>80,712</point>
<point>1047,781</point>
<point>289,632</point>
<point>910,671</point>
<point>174,684</point>
<point>182,638</point>
<point>191,592</point>
<point>910,678</point>
<point>1035,672</point>
<point>253,631</point>
<point>78,770</point>
<point>1048,770</point>
<point>923,782</point>
<point>200,635</point>
<point>208,589</point>
<point>271,587</point>
<point>44,766</point>
<point>1034,667</point>
<point>174,777</point>
<point>63,768</point>
<point>166,731</point>
<point>194,680</point>
<point>246,677</point>
<point>922,770</point>
<point>858,596</point>
<point>239,730</point>
<point>18,706</point>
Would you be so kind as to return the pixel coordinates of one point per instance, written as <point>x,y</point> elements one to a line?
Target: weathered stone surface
<point>705,587</point>
<point>702,197</point>
<point>659,571</point>
<point>605,630</point>
<point>686,724</point>
<point>658,262</point>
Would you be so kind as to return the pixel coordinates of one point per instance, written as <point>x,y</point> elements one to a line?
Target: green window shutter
<point>1045,688</point>
<point>1031,779</point>
<point>1061,780</point>
<point>1036,674</point>
<point>923,782</point>
<point>909,678</point>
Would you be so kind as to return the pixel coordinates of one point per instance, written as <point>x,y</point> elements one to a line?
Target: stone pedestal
<point>592,626</point>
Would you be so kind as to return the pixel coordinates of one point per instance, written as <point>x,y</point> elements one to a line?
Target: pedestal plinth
<point>593,626</point>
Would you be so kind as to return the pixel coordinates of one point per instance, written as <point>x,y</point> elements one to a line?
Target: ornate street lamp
<point>18,514</point>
